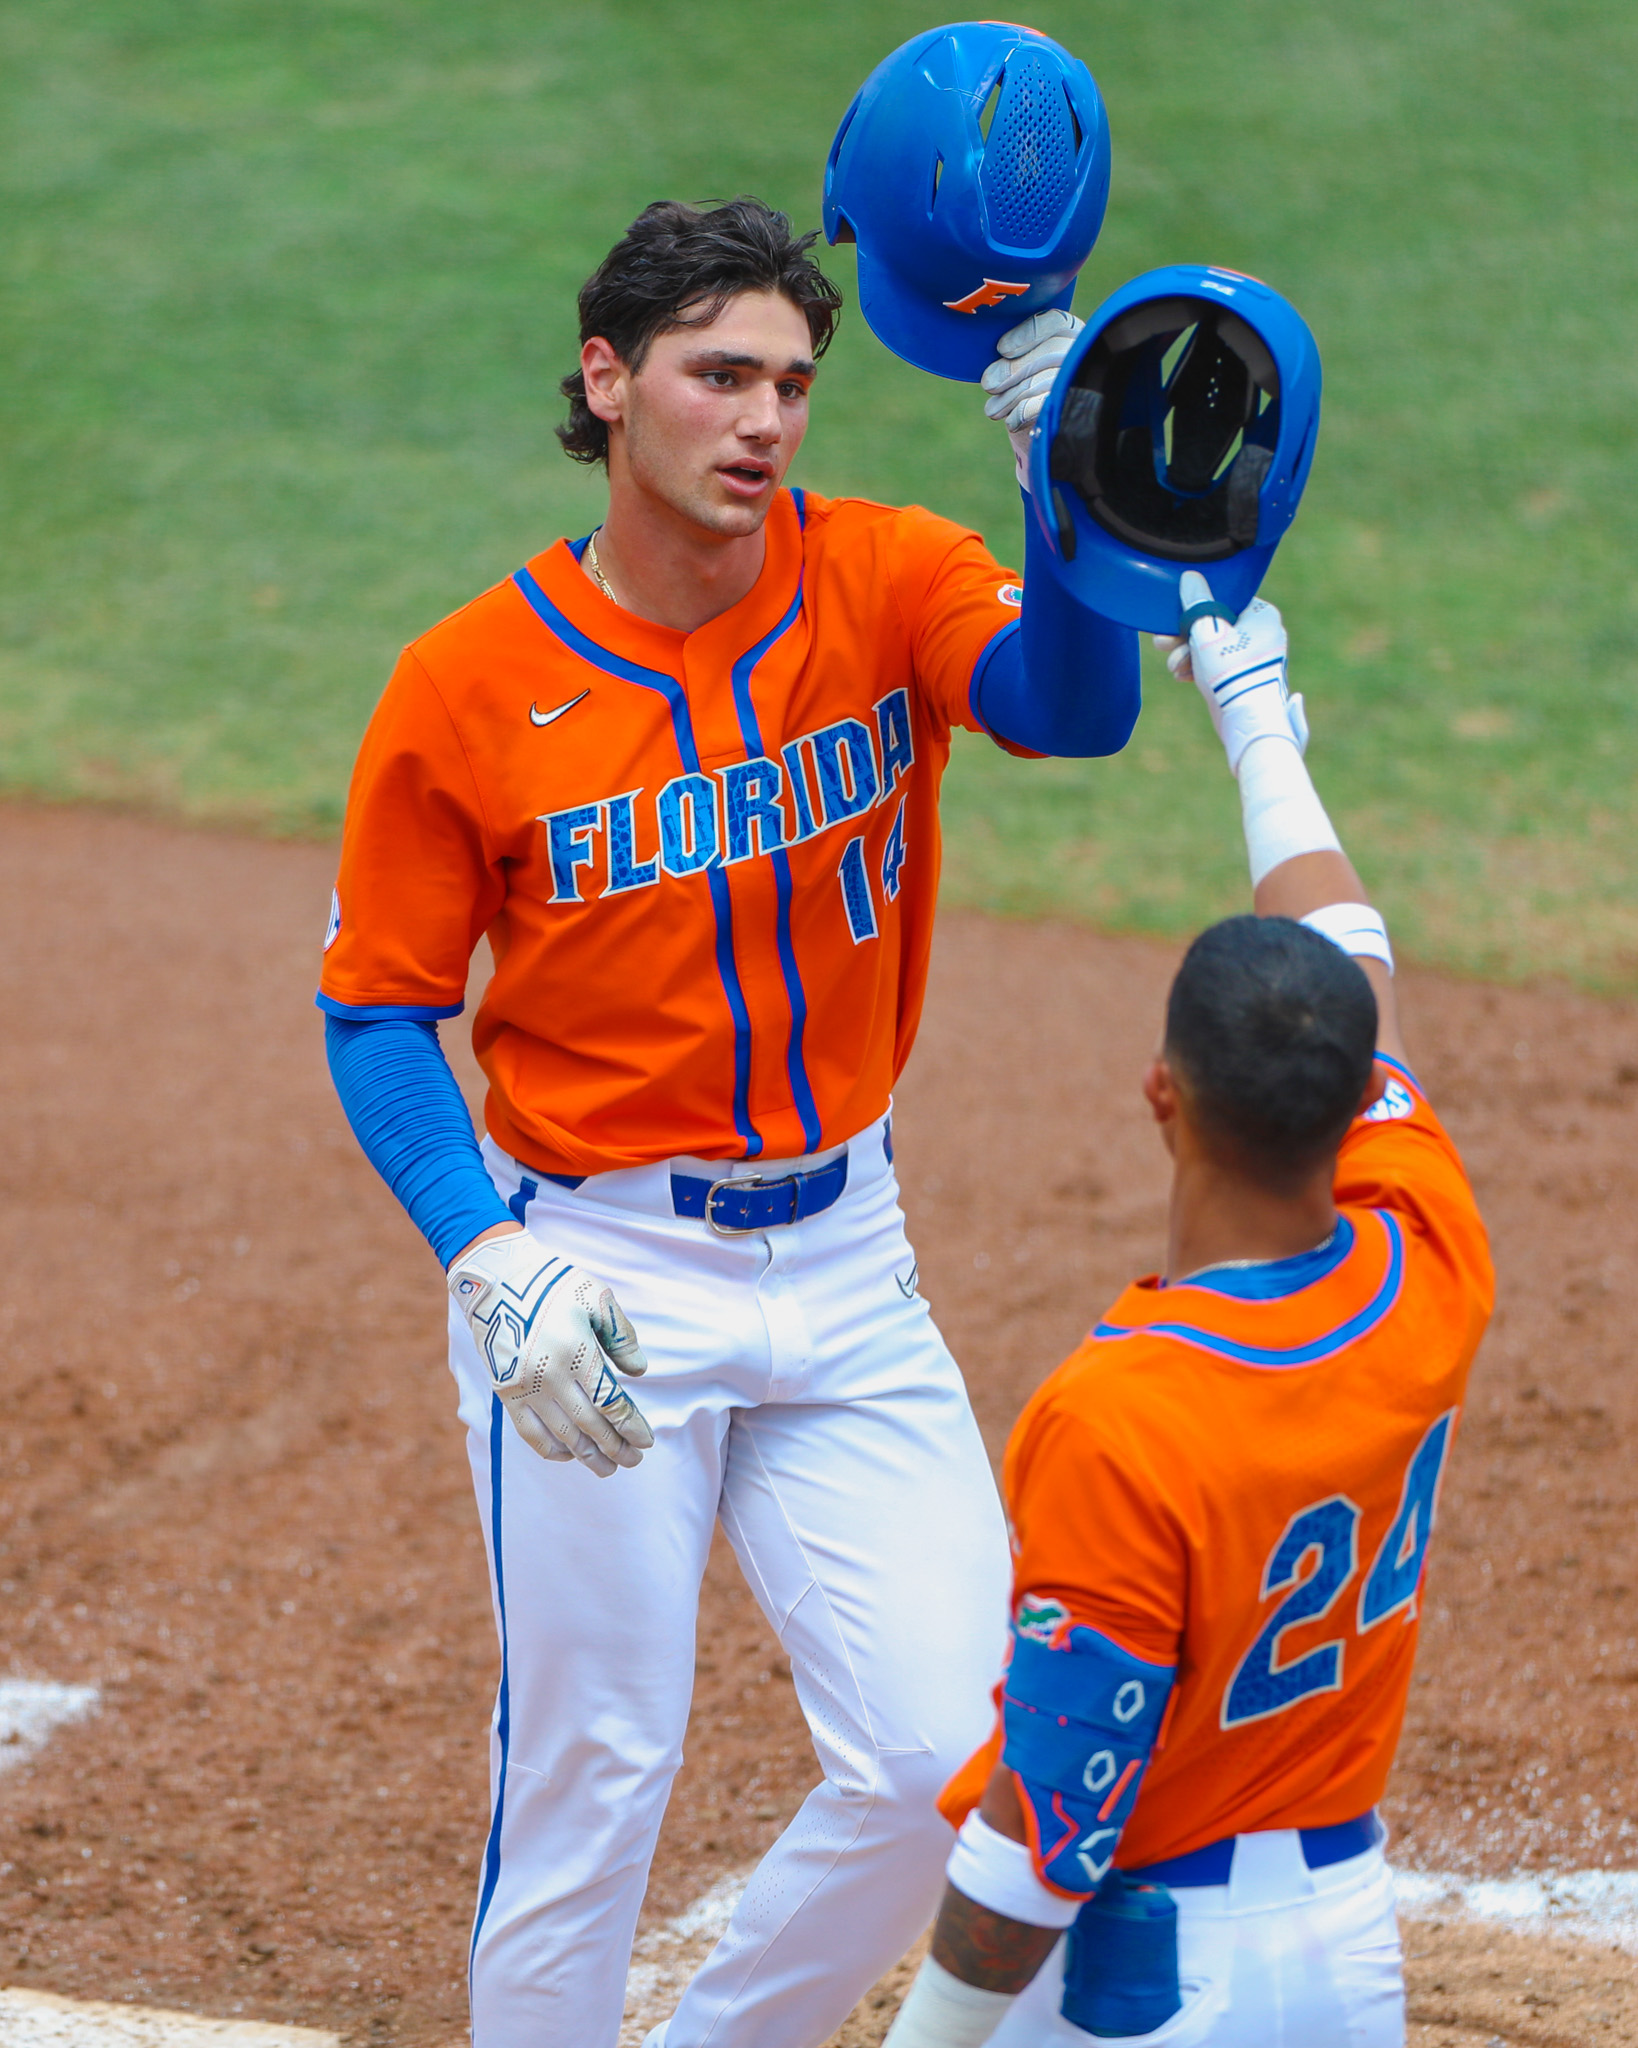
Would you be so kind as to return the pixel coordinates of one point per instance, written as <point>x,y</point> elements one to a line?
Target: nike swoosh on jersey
<point>539,717</point>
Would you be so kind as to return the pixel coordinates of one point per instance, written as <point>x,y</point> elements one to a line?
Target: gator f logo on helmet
<point>1179,433</point>
<point>972,170</point>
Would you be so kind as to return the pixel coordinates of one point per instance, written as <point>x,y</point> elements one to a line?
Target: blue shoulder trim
<point>387,1013</point>
<point>1278,1357</point>
<point>1400,1067</point>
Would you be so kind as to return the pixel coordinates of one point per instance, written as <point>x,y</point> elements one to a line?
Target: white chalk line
<point>1580,1905</point>
<point>37,2019</point>
<point>663,1960</point>
<point>31,1708</point>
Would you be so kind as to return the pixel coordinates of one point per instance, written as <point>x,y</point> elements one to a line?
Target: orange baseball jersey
<point>1237,1476</point>
<point>706,862</point>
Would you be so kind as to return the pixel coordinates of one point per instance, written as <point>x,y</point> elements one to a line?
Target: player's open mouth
<point>746,479</point>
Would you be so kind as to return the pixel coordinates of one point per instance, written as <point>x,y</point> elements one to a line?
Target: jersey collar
<point>1274,1279</point>
<point>607,625</point>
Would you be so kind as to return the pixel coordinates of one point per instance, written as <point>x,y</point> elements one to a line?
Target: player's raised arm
<point>1298,867</point>
<point>1067,683</point>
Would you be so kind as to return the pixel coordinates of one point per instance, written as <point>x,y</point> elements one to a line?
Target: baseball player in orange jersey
<point>683,774</point>
<point>1221,1501</point>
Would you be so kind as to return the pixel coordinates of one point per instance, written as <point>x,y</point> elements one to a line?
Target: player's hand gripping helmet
<point>972,170</point>
<point>1179,433</point>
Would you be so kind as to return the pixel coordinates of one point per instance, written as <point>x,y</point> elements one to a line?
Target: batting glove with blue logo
<point>553,1338</point>
<point>1238,666</point>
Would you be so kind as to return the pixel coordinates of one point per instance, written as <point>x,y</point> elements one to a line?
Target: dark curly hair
<point>677,266</point>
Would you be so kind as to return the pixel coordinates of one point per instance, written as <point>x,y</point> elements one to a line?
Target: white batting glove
<point>553,1338</point>
<point>1239,668</point>
<point>1028,358</point>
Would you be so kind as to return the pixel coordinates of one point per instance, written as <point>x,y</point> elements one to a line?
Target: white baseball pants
<point>1279,1957</point>
<point>799,1391</point>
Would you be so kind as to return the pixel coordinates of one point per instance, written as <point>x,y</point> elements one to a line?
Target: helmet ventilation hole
<point>1028,173</point>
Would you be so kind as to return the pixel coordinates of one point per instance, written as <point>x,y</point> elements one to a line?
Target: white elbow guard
<point>1356,928</point>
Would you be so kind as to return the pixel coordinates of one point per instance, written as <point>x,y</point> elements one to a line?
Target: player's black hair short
<point>1271,1031</point>
<point>677,266</point>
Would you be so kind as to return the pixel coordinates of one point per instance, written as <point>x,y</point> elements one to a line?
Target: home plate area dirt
<point>235,1500</point>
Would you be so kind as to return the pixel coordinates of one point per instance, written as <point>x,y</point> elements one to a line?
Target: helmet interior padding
<point>1151,448</point>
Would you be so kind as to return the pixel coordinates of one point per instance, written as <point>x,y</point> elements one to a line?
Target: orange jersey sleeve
<point>417,876</point>
<point>956,600</point>
<point>1399,1157</point>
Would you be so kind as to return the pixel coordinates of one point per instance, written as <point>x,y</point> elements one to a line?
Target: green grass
<point>285,292</point>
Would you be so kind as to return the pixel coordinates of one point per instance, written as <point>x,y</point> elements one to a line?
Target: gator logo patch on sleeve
<point>1040,1620</point>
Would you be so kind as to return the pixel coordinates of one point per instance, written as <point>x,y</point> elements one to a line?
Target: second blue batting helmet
<point>972,170</point>
<point>1178,434</point>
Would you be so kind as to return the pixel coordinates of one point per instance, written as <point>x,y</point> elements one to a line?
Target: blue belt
<point>732,1207</point>
<point>1214,1863</point>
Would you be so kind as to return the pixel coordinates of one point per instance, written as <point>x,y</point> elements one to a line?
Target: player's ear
<point>1160,1090</point>
<point>602,370</point>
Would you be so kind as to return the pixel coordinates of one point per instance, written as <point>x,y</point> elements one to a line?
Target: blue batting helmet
<point>1178,434</point>
<point>972,170</point>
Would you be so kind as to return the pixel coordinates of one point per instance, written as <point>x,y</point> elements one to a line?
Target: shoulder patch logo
<point>1011,593</point>
<point>1040,1620</point>
<point>332,931</point>
<point>1394,1102</point>
<point>539,717</point>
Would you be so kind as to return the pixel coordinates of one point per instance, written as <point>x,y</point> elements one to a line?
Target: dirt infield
<point>234,1495</point>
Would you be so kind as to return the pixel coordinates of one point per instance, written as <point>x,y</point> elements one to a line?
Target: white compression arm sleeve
<point>940,2011</point>
<point>1283,815</point>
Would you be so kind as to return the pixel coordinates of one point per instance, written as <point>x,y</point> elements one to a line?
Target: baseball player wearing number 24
<point>1222,1501</point>
<point>684,776</point>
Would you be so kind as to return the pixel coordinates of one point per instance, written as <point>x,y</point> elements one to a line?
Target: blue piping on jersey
<point>503,1700</point>
<point>1274,1279</point>
<point>1281,1356</point>
<point>683,728</point>
<point>1400,1067</point>
<point>750,732</point>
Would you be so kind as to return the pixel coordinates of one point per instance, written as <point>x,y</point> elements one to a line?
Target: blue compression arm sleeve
<point>1066,682</point>
<point>408,1113</point>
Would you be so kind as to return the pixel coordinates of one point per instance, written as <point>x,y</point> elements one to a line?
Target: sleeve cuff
<point>387,1013</point>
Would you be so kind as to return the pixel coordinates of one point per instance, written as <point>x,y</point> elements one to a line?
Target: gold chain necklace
<point>596,567</point>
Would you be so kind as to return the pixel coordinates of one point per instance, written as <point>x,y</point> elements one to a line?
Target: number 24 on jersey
<point>1262,1685</point>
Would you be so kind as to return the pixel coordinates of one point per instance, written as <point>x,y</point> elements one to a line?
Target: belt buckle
<point>744,1180</point>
